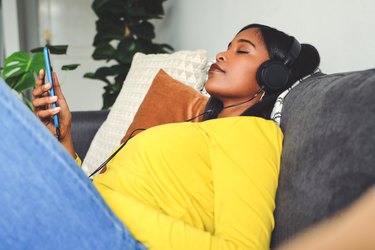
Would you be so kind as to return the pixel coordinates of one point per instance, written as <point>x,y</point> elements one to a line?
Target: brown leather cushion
<point>166,101</point>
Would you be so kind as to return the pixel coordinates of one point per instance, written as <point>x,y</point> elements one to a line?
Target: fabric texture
<point>328,156</point>
<point>167,101</point>
<point>188,67</point>
<point>206,185</point>
<point>47,202</point>
<point>276,113</point>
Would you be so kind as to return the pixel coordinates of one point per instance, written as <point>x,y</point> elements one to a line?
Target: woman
<point>201,189</point>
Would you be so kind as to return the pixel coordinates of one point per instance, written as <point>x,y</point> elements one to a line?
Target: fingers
<point>44,101</point>
<point>41,90</point>
<point>56,85</point>
<point>47,113</point>
<point>40,79</point>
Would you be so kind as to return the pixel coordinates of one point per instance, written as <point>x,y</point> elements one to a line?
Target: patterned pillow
<point>188,67</point>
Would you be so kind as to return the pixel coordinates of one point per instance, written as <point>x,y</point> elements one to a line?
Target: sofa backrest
<point>328,157</point>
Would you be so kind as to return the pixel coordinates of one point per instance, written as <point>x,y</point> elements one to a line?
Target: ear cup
<point>273,75</point>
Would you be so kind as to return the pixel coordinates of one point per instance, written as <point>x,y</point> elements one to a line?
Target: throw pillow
<point>188,67</point>
<point>167,101</point>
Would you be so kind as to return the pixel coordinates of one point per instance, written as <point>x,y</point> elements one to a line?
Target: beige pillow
<point>189,67</point>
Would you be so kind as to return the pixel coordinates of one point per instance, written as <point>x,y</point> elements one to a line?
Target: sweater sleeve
<point>159,231</point>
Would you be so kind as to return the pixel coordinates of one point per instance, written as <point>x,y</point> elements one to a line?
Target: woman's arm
<point>159,231</point>
<point>352,229</point>
<point>42,108</point>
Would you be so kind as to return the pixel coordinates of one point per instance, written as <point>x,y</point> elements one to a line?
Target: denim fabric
<point>46,202</point>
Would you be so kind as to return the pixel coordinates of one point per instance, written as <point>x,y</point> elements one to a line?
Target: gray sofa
<point>328,157</point>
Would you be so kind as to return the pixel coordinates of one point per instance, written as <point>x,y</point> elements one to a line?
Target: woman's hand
<point>42,108</point>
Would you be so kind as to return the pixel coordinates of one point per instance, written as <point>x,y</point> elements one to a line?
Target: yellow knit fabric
<point>78,160</point>
<point>208,185</point>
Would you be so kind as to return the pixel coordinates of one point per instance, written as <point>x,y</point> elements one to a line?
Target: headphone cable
<point>189,120</point>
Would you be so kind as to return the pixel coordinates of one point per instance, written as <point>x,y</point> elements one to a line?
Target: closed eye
<point>242,52</point>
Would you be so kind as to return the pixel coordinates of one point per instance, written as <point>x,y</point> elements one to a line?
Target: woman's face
<point>232,78</point>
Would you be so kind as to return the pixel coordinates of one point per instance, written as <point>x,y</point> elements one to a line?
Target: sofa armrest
<point>85,124</point>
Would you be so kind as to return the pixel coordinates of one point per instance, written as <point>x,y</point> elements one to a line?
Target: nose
<point>221,56</point>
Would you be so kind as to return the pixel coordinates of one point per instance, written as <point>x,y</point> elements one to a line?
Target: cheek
<point>244,77</point>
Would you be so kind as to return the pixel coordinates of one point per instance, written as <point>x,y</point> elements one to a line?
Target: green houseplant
<point>20,69</point>
<point>123,28</point>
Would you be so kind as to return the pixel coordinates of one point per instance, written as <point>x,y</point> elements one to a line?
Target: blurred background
<point>342,31</point>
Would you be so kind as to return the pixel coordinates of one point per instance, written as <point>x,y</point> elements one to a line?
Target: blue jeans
<point>46,201</point>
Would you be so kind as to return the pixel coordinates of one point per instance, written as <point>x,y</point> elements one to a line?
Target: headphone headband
<point>293,53</point>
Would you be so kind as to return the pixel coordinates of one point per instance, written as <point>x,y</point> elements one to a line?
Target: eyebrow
<point>243,41</point>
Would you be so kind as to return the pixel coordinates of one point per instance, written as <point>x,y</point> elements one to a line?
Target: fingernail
<point>53,98</point>
<point>55,110</point>
<point>46,86</point>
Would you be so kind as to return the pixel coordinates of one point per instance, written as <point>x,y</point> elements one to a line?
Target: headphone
<point>274,74</point>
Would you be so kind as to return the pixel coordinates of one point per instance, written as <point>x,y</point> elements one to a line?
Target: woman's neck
<point>237,110</point>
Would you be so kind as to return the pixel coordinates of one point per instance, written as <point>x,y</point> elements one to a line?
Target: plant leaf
<point>16,64</point>
<point>126,50</point>
<point>37,62</point>
<point>36,50</point>
<point>27,102</point>
<point>58,49</point>
<point>89,75</point>
<point>103,51</point>
<point>69,67</point>
<point>27,81</point>
<point>53,49</point>
<point>144,30</point>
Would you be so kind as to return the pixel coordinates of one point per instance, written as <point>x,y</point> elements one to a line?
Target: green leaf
<point>101,74</point>
<point>69,67</point>
<point>36,50</point>
<point>104,51</point>
<point>144,30</point>
<point>109,7</point>
<point>126,50</point>
<point>89,75</point>
<point>167,47</point>
<point>27,102</point>
<point>109,98</point>
<point>120,69</point>
<point>58,49</point>
<point>108,29</point>
<point>154,8</point>
<point>27,81</point>
<point>137,12</point>
<point>98,4</point>
<point>12,81</point>
<point>104,72</point>
<point>53,49</point>
<point>37,62</point>
<point>16,64</point>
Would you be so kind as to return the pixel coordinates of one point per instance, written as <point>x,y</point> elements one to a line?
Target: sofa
<point>328,157</point>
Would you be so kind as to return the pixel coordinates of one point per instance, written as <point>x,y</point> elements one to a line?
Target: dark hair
<point>278,45</point>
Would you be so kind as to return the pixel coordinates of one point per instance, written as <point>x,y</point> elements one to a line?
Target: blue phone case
<point>47,61</point>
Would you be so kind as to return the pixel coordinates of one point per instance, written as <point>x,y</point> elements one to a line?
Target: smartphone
<point>49,71</point>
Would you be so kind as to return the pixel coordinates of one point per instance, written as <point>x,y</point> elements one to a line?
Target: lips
<point>216,68</point>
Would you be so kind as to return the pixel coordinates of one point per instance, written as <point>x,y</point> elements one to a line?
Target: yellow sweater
<point>208,185</point>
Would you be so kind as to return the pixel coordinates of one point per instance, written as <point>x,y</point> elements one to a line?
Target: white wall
<point>342,30</point>
<point>10,27</point>
<point>72,22</point>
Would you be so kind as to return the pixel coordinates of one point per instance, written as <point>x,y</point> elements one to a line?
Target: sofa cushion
<point>328,157</point>
<point>166,101</point>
